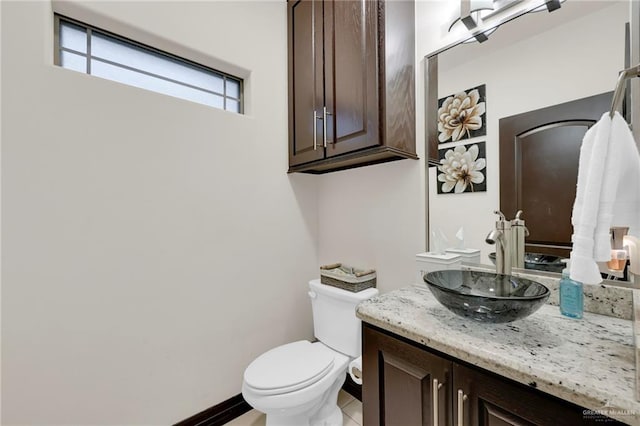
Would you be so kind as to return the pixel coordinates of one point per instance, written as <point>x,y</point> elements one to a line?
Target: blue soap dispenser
<point>571,295</point>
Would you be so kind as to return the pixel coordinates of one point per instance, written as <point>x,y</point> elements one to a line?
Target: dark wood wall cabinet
<point>351,83</point>
<point>407,384</point>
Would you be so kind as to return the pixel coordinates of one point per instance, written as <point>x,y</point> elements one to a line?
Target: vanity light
<point>550,5</point>
<point>479,37</point>
<point>471,14</point>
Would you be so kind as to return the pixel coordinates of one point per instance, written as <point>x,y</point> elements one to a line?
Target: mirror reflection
<point>519,85</point>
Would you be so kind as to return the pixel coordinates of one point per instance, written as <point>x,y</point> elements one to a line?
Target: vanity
<point>423,365</point>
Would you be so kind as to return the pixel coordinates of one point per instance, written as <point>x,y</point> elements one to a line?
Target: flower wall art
<point>462,116</point>
<point>462,169</point>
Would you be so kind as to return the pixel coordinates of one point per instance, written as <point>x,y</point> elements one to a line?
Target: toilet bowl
<point>297,384</point>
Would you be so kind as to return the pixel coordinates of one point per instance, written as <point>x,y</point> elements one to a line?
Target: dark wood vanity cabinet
<point>351,83</point>
<point>489,400</point>
<point>405,384</point>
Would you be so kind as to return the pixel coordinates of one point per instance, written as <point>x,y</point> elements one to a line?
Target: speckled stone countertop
<point>590,362</point>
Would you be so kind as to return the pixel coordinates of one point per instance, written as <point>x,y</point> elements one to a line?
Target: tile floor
<point>351,410</point>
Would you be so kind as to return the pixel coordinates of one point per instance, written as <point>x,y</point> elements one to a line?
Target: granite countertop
<point>590,362</point>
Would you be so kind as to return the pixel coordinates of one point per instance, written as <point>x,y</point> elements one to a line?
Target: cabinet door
<point>488,400</point>
<point>402,384</point>
<point>306,87</point>
<point>351,75</point>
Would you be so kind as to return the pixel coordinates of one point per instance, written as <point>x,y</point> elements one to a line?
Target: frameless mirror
<point>538,61</point>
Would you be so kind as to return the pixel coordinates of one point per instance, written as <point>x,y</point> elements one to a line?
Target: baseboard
<point>219,414</point>
<point>352,388</point>
<point>236,406</point>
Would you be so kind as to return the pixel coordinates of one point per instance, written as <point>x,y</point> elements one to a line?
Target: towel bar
<point>618,95</point>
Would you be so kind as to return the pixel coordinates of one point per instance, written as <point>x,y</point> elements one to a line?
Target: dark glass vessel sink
<point>485,296</point>
<point>539,262</point>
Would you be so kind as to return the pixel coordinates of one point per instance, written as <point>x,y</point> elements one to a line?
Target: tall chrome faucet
<point>518,234</point>
<point>501,237</point>
<point>508,236</point>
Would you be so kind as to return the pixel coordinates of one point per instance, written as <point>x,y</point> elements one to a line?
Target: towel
<point>620,199</point>
<point>607,194</point>
<point>593,152</point>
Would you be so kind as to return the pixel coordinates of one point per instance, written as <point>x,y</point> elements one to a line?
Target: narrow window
<point>83,48</point>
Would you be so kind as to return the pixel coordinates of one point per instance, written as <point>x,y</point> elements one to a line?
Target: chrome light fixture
<point>471,14</point>
<point>550,5</point>
<point>475,13</point>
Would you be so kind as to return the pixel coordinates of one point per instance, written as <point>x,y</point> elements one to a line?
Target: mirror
<point>537,61</point>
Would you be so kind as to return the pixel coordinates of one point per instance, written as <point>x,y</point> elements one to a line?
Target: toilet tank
<point>334,316</point>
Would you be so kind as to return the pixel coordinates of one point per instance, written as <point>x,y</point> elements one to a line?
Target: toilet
<point>297,384</point>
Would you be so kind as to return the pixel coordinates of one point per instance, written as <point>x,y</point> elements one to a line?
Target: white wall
<point>567,62</point>
<point>373,217</point>
<point>152,247</point>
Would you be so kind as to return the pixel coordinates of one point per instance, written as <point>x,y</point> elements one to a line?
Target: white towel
<point>620,199</point>
<point>593,153</point>
<point>608,194</point>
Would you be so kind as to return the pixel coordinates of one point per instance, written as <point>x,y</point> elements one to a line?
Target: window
<point>87,49</point>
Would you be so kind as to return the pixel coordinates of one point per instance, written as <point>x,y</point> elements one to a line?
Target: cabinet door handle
<point>324,123</point>
<point>461,399</point>
<point>324,118</point>
<point>315,131</point>
<point>434,392</point>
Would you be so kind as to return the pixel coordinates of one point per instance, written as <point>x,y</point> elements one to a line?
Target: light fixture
<point>478,14</point>
<point>550,5</point>
<point>478,37</point>
<point>471,13</point>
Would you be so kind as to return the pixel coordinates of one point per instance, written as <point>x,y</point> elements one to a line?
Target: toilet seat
<point>288,368</point>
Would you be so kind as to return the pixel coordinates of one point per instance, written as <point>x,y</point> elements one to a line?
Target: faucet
<point>508,236</point>
<point>518,234</point>
<point>501,237</point>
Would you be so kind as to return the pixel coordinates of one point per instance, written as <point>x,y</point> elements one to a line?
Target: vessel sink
<point>485,296</point>
<point>538,261</point>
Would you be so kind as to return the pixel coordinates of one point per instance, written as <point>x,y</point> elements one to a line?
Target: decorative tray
<point>347,277</point>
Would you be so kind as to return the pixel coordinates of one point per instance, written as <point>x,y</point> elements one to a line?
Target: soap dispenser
<point>571,294</point>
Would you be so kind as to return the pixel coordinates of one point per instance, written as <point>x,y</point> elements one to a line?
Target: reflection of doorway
<point>539,153</point>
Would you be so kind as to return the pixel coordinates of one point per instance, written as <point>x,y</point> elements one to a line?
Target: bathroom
<point>154,247</point>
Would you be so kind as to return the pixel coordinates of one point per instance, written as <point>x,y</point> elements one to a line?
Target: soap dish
<point>347,277</point>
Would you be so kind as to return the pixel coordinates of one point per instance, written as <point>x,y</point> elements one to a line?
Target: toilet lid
<point>289,367</point>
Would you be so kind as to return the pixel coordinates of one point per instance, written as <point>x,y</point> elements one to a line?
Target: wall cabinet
<point>351,83</point>
<point>407,384</point>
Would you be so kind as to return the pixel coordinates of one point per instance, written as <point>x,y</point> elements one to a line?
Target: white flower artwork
<point>462,116</point>
<point>462,169</point>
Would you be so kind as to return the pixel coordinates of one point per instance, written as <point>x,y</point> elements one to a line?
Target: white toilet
<point>297,384</point>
